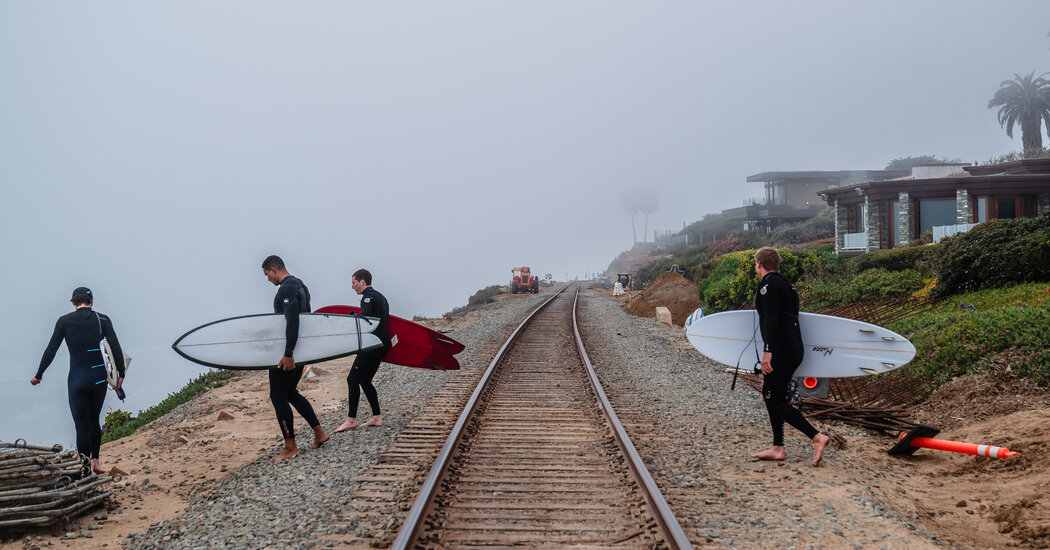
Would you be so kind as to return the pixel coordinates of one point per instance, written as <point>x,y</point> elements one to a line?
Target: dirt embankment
<point>670,290</point>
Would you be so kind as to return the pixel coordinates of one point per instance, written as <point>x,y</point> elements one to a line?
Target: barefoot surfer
<point>292,298</point>
<point>83,330</point>
<point>373,304</point>
<point>777,305</point>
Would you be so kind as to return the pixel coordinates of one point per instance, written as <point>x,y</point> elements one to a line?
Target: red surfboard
<point>412,344</point>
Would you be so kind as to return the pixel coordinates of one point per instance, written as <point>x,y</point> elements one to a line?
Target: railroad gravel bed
<point>694,434</point>
<point>296,503</point>
<point>697,436</point>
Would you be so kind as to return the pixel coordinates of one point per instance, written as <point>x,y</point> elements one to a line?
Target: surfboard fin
<point>869,371</point>
<point>888,338</point>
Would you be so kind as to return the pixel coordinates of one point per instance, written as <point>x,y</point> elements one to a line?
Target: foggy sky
<point>157,152</point>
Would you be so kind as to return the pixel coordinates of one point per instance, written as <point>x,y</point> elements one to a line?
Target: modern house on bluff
<point>942,199</point>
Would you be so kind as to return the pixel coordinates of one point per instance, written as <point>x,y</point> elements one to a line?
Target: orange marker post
<point>960,447</point>
<point>922,437</point>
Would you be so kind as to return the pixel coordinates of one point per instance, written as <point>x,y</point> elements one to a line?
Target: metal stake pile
<point>42,486</point>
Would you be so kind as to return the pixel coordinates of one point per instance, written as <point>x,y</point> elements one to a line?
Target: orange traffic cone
<point>922,437</point>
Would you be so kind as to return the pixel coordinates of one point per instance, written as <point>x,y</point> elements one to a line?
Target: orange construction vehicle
<point>523,281</point>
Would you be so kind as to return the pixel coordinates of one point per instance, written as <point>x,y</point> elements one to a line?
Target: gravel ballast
<point>296,503</point>
<point>695,435</point>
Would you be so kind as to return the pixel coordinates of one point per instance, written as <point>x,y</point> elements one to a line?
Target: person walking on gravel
<point>292,299</point>
<point>777,305</point>
<point>373,304</point>
<point>83,331</point>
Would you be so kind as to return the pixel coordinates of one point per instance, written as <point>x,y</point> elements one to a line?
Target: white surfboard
<point>694,317</point>
<point>834,347</point>
<point>257,341</point>
<point>112,375</point>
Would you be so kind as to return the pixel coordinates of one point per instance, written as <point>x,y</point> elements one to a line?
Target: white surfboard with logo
<point>834,347</point>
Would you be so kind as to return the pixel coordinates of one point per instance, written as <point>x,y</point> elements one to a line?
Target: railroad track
<point>539,458</point>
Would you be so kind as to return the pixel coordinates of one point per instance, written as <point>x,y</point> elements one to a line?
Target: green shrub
<point>951,341</point>
<point>116,419</point>
<point>822,226</point>
<point>202,383</point>
<point>823,264</point>
<point>875,285</point>
<point>733,281</point>
<point>994,254</point>
<point>920,258</point>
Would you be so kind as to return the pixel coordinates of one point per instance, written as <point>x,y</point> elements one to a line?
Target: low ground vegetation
<point>992,281</point>
<point>484,296</point>
<point>122,424</point>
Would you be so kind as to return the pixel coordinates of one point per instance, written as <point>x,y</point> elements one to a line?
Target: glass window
<point>936,212</point>
<point>888,228</point>
<point>1006,208</point>
<point>982,210</point>
<point>855,218</point>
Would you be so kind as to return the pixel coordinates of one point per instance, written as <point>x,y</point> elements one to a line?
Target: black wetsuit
<point>82,330</point>
<point>292,298</point>
<point>373,304</point>
<point>777,305</point>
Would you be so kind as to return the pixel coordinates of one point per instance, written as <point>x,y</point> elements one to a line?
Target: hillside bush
<point>122,424</point>
<point>733,281</point>
<point>994,254</point>
<point>878,284</point>
<point>920,258</point>
<point>822,226</point>
<point>1009,339</point>
<point>873,285</point>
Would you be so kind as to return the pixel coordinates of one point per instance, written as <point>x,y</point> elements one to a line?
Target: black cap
<point>81,290</point>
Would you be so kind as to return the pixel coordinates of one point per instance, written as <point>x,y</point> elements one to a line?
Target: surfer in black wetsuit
<point>292,299</point>
<point>777,305</point>
<point>83,330</point>
<point>373,304</point>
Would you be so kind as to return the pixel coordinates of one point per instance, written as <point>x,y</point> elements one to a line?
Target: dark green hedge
<point>994,254</point>
<point>919,258</point>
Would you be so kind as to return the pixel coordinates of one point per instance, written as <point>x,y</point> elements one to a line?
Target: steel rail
<point>665,519</point>
<point>410,529</point>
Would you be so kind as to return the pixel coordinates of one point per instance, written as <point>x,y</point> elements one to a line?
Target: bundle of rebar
<point>887,420</point>
<point>881,419</point>
<point>42,486</point>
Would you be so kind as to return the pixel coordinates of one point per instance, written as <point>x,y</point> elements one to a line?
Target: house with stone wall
<point>942,199</point>
<point>791,197</point>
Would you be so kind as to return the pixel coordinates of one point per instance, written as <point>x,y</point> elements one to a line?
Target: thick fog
<point>157,152</point>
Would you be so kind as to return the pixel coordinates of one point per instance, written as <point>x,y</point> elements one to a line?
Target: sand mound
<point>670,290</point>
<point>978,397</point>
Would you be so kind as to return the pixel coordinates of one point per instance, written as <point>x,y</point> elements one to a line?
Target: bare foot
<point>820,441</point>
<point>320,437</point>
<point>374,421</point>
<point>772,453</point>
<point>350,424</point>
<point>96,467</point>
<point>290,451</point>
<point>285,455</point>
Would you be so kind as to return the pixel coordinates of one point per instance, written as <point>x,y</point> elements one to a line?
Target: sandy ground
<point>169,461</point>
<point>966,501</point>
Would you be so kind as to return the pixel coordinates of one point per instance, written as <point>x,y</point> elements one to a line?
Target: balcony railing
<point>942,231</point>
<point>855,241</point>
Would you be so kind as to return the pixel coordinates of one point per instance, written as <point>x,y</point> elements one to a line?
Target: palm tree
<point>1024,101</point>
<point>631,200</point>
<point>647,204</point>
